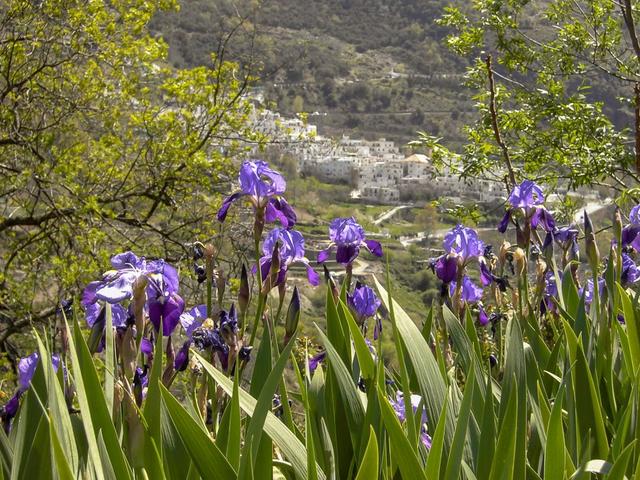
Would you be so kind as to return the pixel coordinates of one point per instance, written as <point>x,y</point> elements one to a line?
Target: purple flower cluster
<point>462,246</point>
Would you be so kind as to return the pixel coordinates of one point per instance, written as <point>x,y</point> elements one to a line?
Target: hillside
<point>376,68</point>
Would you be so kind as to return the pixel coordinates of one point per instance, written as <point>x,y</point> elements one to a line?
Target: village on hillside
<point>379,170</point>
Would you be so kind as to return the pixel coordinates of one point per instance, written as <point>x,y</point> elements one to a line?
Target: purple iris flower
<point>291,250</point>
<point>550,292</point>
<point>399,408</point>
<point>9,410</point>
<point>483,318</point>
<point>264,187</point>
<point>167,308</point>
<point>566,237</point>
<point>182,358</point>
<point>445,267</point>
<point>96,318</point>
<point>27,368</point>
<point>634,215</point>
<point>631,236</point>
<point>463,242</point>
<point>588,292</point>
<point>631,232</point>
<point>487,277</point>
<point>316,360</point>
<point>528,197</point>
<point>163,301</point>
<point>193,319</point>
<point>96,313</point>
<point>630,273</point>
<point>146,347</point>
<point>469,292</point>
<point>117,284</point>
<point>527,194</point>
<point>348,236</point>
<point>363,302</point>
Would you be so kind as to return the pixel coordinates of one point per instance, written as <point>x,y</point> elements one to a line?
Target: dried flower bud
<point>201,273</point>
<point>198,251</point>
<point>541,269</point>
<point>520,259</point>
<point>129,352</point>
<point>502,254</point>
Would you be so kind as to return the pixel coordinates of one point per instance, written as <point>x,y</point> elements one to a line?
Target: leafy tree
<point>556,83</point>
<point>103,146</point>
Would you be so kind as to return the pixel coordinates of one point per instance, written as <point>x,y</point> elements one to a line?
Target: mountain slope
<point>370,67</point>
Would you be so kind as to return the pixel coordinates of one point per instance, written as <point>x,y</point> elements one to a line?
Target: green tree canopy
<point>103,146</point>
<point>555,83</point>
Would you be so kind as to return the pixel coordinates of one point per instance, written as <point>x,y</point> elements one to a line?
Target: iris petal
<point>222,213</point>
<point>374,247</point>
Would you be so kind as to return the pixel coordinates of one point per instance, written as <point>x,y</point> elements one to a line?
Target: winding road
<point>390,213</point>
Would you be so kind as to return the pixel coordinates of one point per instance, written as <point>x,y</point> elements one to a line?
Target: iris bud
<point>220,285</point>
<point>617,224</point>
<point>243,293</point>
<point>97,332</point>
<point>593,255</point>
<point>293,316</point>
<point>182,358</point>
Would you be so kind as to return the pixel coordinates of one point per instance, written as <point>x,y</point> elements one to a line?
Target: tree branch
<point>494,124</point>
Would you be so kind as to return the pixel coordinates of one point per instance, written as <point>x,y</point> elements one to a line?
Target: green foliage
<point>100,141</point>
<point>554,90</point>
<point>558,406</point>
